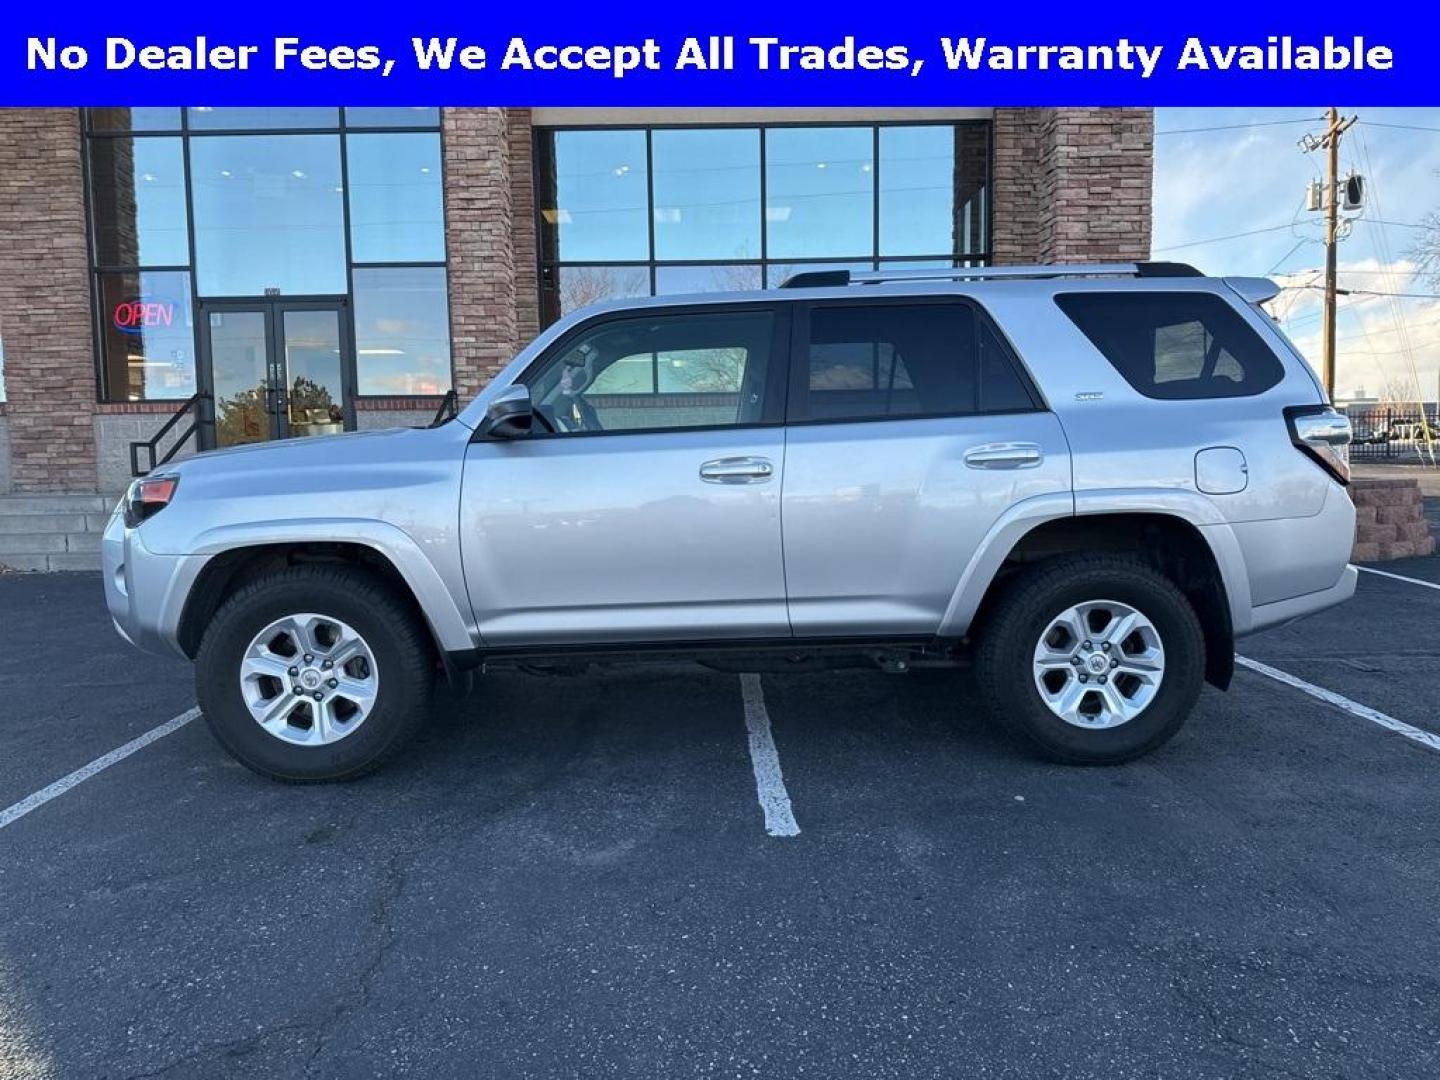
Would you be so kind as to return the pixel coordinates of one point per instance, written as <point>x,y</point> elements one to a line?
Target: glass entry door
<point>275,369</point>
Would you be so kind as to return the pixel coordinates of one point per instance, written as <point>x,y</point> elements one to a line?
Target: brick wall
<point>45,302</point>
<point>480,236</point>
<point>1073,185</point>
<point>522,203</point>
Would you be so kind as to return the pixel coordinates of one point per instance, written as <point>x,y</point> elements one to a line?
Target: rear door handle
<point>737,470</point>
<point>1010,455</point>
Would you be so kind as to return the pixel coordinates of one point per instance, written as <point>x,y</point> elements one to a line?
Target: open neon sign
<point>136,316</point>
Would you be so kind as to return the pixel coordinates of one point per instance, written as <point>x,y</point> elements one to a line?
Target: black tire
<point>404,658</point>
<point>1006,646</point>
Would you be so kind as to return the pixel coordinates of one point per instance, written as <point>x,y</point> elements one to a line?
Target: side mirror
<point>510,415</point>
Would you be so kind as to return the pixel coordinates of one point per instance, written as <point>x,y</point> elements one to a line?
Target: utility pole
<point>1334,128</point>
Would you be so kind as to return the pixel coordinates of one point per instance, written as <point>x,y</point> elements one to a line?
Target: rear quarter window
<point>1175,346</point>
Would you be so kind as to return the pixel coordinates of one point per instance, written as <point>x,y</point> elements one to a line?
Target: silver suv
<point>1087,481</point>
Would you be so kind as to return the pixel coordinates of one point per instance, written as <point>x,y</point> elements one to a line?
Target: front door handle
<point>737,470</point>
<point>1010,455</point>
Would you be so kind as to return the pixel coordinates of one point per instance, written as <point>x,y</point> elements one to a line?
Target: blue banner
<point>738,54</point>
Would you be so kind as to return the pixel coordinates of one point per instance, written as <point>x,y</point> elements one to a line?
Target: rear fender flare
<point>1021,518</point>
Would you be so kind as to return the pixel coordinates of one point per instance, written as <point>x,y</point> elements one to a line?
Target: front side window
<point>1175,346</point>
<point>877,361</point>
<point>657,372</point>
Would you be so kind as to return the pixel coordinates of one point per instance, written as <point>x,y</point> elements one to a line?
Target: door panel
<point>881,517</point>
<point>239,347</point>
<point>275,369</point>
<point>313,374</point>
<point>573,540</point>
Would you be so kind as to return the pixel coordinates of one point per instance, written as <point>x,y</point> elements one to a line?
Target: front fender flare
<point>447,622</point>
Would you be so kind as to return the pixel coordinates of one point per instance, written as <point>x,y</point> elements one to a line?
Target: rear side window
<point>1175,346</point>
<point>876,361</point>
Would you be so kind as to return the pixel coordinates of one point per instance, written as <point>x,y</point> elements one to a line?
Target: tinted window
<point>671,371</point>
<point>1175,346</point>
<point>871,361</point>
<point>396,212</point>
<point>707,193</point>
<point>402,330</point>
<point>269,214</point>
<point>147,335</point>
<point>819,193</point>
<point>138,202</point>
<point>594,205</point>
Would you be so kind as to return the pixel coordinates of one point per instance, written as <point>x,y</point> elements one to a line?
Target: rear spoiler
<point>1255,290</point>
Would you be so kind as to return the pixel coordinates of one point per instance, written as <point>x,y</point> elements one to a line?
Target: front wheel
<point>1093,660</point>
<point>314,673</point>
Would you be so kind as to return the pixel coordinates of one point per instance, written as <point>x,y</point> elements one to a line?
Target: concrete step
<point>40,523</point>
<point>55,504</point>
<point>46,543</point>
<point>65,560</point>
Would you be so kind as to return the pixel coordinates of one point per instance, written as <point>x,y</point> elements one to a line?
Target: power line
<point>1397,127</point>
<point>1238,127</point>
<point>1232,236</point>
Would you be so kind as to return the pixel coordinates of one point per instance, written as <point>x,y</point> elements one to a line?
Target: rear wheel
<point>314,673</point>
<point>1093,660</point>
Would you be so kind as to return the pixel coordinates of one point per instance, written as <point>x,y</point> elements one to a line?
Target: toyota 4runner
<point>1087,481</point>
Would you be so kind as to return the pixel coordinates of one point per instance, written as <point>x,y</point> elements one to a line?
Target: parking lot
<point>573,876</point>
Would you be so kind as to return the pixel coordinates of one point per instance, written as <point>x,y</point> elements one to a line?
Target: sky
<point>1250,175</point>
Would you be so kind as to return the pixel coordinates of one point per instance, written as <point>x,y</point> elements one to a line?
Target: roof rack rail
<point>819,279</point>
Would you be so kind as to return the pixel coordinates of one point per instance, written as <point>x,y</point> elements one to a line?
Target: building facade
<point>266,273</point>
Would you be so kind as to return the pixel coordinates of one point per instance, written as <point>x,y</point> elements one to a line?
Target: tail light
<point>148,496</point>
<point>1323,435</point>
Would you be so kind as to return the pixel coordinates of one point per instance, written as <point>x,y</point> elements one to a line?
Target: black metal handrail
<point>151,446</point>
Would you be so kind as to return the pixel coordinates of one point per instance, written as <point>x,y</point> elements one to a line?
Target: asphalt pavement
<point>571,876</point>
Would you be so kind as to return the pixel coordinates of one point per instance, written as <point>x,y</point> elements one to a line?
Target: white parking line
<point>1397,577</point>
<point>769,782</point>
<point>1354,708</point>
<point>14,813</point>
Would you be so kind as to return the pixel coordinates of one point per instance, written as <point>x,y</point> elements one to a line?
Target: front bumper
<point>145,592</point>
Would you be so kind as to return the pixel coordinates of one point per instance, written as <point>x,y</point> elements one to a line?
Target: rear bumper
<point>1297,607</point>
<point>145,592</point>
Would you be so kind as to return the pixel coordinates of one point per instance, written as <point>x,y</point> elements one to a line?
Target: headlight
<point>148,496</point>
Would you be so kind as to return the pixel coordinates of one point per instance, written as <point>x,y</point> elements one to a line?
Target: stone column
<point>480,222</point>
<point>1073,185</point>
<point>45,311</point>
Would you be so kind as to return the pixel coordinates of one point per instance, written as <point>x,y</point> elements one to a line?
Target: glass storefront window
<point>147,334</point>
<point>707,193</point>
<point>917,190</point>
<point>819,192</point>
<point>392,117</point>
<point>840,196</point>
<point>269,214</point>
<point>261,119</point>
<point>776,273</point>
<point>396,203</point>
<point>139,202</point>
<point>698,279</point>
<point>134,119</point>
<point>267,205</point>
<point>577,286</point>
<point>595,205</point>
<point>402,330</point>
